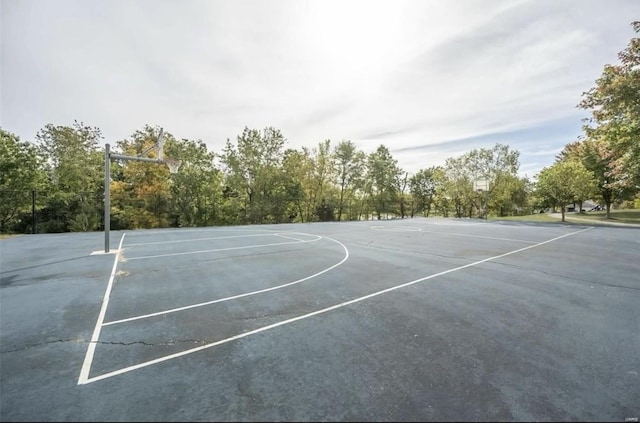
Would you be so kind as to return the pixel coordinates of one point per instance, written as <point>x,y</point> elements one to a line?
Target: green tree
<point>75,166</point>
<point>383,173</point>
<point>350,165</point>
<point>571,151</point>
<point>614,103</point>
<point>196,190</point>
<point>607,167</point>
<point>402,180</point>
<point>298,168</point>
<point>423,188</point>
<point>21,173</point>
<point>563,182</point>
<point>442,203</point>
<point>574,151</point>
<point>499,166</point>
<point>322,178</point>
<point>509,195</point>
<point>458,187</point>
<point>251,166</point>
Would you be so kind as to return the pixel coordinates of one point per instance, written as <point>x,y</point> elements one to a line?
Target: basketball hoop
<point>173,165</point>
<point>481,185</point>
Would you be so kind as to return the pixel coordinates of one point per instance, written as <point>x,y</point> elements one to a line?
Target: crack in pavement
<point>150,344</point>
<point>29,346</point>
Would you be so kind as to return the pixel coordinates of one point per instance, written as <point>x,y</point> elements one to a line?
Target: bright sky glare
<point>430,79</point>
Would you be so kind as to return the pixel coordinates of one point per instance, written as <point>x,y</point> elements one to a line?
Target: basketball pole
<point>482,186</point>
<point>107,196</point>
<point>486,205</point>
<point>108,156</point>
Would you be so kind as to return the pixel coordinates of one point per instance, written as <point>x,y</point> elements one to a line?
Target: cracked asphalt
<point>399,320</point>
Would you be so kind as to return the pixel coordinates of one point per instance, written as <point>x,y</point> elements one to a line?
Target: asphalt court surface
<point>413,319</point>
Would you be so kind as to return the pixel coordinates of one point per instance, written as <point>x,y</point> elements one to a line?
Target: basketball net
<point>173,165</point>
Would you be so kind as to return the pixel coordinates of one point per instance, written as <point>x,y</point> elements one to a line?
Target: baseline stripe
<point>88,358</point>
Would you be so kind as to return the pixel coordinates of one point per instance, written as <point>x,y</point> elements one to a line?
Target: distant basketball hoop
<point>481,185</point>
<point>158,147</point>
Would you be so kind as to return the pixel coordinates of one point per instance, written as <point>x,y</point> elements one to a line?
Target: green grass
<point>540,217</point>
<point>620,216</point>
<point>617,216</point>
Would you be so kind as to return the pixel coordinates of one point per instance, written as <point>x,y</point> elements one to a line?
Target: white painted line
<point>160,313</point>
<point>88,358</point>
<point>395,228</point>
<point>507,224</point>
<point>218,229</point>
<point>197,239</point>
<point>324,310</point>
<point>478,236</point>
<point>362,224</point>
<point>222,249</point>
<point>289,237</point>
<point>403,229</point>
<point>451,221</point>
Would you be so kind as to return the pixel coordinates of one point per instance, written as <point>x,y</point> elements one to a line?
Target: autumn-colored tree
<point>607,167</point>
<point>141,191</point>
<point>614,104</point>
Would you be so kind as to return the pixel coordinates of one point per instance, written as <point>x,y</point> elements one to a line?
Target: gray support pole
<point>107,194</point>
<point>107,181</point>
<point>486,205</point>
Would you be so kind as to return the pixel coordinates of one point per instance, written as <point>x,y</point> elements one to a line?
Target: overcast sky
<point>429,79</point>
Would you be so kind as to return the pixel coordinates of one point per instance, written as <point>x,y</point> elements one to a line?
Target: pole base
<point>95,253</point>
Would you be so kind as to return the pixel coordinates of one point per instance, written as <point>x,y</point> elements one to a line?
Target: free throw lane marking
<point>197,239</point>
<point>289,237</point>
<point>322,311</point>
<point>223,249</point>
<point>247,294</point>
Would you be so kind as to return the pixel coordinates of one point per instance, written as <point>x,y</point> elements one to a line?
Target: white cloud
<point>400,73</point>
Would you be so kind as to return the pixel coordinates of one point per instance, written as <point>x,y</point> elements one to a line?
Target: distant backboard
<point>481,185</point>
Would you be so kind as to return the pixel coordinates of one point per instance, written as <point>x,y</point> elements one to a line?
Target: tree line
<point>257,179</point>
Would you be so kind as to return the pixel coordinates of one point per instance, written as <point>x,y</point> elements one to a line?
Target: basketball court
<point>412,319</point>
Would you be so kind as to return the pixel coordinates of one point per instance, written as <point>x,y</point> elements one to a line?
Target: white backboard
<point>481,185</point>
